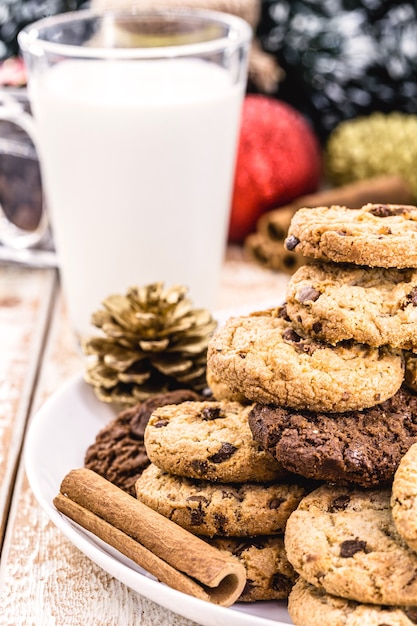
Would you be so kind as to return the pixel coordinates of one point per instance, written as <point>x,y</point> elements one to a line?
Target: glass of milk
<point>136,123</point>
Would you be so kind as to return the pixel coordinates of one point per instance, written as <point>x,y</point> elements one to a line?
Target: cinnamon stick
<point>166,550</point>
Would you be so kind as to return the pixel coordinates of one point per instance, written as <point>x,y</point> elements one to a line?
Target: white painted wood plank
<point>25,299</point>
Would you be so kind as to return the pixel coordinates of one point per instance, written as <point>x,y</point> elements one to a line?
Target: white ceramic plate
<point>58,437</point>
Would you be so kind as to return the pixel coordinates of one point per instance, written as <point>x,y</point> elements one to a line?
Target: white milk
<point>138,161</point>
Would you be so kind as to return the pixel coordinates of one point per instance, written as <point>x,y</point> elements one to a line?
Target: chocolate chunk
<point>212,413</point>
<point>291,242</point>
<point>411,613</point>
<point>308,294</point>
<point>161,424</point>
<point>280,582</point>
<point>240,549</point>
<point>197,517</point>
<point>282,312</point>
<point>200,467</point>
<point>276,503</point>
<point>290,335</point>
<point>201,499</point>
<point>351,546</point>
<point>309,347</point>
<point>412,297</point>
<point>249,586</point>
<point>289,261</point>
<point>220,520</point>
<point>339,504</point>
<point>317,327</point>
<point>383,210</point>
<point>276,232</point>
<point>226,451</point>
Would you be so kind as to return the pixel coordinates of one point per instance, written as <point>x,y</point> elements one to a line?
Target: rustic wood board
<point>25,300</point>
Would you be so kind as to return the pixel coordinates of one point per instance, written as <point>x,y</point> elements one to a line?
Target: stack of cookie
<point>208,475</point>
<point>326,373</point>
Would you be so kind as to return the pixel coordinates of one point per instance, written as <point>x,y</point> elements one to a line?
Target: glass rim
<point>240,33</point>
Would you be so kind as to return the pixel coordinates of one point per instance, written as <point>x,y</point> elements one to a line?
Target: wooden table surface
<point>44,579</point>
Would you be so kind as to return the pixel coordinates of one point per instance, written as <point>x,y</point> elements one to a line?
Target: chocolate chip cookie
<point>377,235</point>
<point>210,441</point>
<point>118,452</point>
<point>410,375</point>
<point>404,497</point>
<point>269,575</point>
<point>221,391</point>
<point>209,509</point>
<point>345,541</point>
<point>360,447</point>
<point>335,302</point>
<point>311,606</point>
<point>263,357</point>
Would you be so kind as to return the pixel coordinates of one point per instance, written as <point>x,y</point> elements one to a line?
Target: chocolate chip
<point>226,451</point>
<point>197,517</point>
<point>310,347</point>
<point>339,504</point>
<point>200,467</point>
<point>220,521</point>
<point>308,294</point>
<point>291,242</point>
<point>240,549</point>
<point>317,327</point>
<point>276,232</point>
<point>249,585</point>
<point>211,413</point>
<point>229,494</point>
<point>351,546</point>
<point>260,255</point>
<point>279,582</point>
<point>282,312</point>
<point>412,297</point>
<point>290,335</point>
<point>161,423</point>
<point>199,499</point>
<point>289,261</point>
<point>276,503</point>
<point>383,210</point>
<point>411,613</point>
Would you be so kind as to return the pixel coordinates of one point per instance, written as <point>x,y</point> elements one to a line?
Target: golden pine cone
<point>152,341</point>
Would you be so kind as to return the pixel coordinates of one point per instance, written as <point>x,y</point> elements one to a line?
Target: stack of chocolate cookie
<point>326,373</point>
<point>208,475</point>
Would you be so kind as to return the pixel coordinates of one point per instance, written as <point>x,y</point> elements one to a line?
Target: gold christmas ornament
<point>373,145</point>
<point>152,341</point>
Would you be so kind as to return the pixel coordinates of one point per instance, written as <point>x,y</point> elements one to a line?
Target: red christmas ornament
<point>279,159</point>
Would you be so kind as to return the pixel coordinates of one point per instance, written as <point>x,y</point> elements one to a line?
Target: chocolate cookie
<point>263,357</point>
<point>311,606</point>
<point>377,235</point>
<point>210,441</point>
<point>269,574</point>
<point>404,497</point>
<point>360,447</point>
<point>118,452</point>
<point>335,302</point>
<point>209,509</point>
<point>344,541</point>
